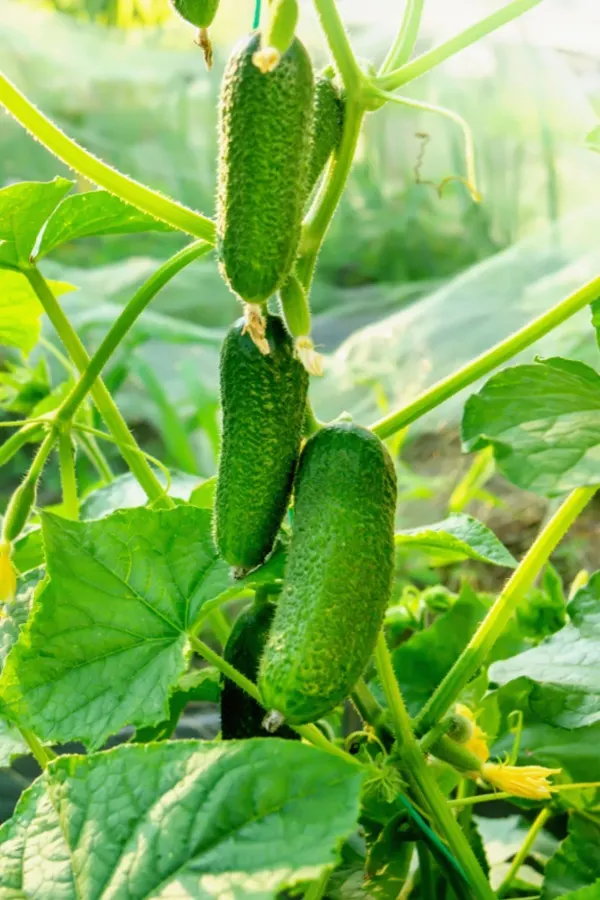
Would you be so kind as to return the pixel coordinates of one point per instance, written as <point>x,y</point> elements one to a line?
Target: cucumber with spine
<point>264,403</point>
<point>241,715</point>
<point>265,129</point>
<point>327,129</point>
<point>338,577</point>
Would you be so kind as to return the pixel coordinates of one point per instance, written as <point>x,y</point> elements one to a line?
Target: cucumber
<point>197,12</point>
<point>264,403</point>
<point>339,574</point>
<point>241,715</point>
<point>265,129</point>
<point>327,130</point>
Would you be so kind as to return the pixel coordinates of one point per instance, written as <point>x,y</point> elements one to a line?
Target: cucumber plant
<point>357,732</point>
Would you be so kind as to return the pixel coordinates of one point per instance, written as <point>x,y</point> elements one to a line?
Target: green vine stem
<point>125,321</point>
<point>402,48</point>
<point>68,476</point>
<point>491,359</point>
<point>476,651</point>
<point>523,851</point>
<point>88,165</point>
<point>339,44</point>
<point>102,398</point>
<point>416,770</point>
<point>427,61</point>
<point>310,732</point>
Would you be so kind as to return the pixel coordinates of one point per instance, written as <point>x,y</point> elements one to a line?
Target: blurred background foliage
<point>410,284</point>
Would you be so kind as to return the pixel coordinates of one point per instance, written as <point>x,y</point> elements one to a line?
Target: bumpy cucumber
<point>197,12</point>
<point>241,716</point>
<point>327,129</point>
<point>339,574</point>
<point>265,127</point>
<point>264,401</point>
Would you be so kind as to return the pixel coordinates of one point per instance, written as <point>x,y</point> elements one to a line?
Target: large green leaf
<point>108,638</point>
<point>232,819</point>
<point>564,667</point>
<point>576,863</point>
<point>16,612</point>
<point>20,310</point>
<point>543,421</point>
<point>456,538</point>
<point>24,208</point>
<point>94,213</point>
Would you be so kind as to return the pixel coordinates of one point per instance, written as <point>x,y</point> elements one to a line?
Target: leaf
<point>587,893</point>
<point>94,213</point>
<point>456,538</point>
<point>20,310</point>
<point>125,492</point>
<point>28,552</point>
<point>12,744</point>
<point>199,685</point>
<point>16,612</point>
<point>163,818</point>
<point>107,641</point>
<point>576,863</point>
<point>424,659</point>
<point>565,666</point>
<point>542,744</point>
<point>543,421</point>
<point>24,207</point>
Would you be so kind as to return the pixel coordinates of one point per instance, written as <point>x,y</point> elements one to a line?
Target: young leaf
<point>108,638</point>
<point>20,310</point>
<point>94,213</point>
<point>456,538</point>
<point>184,819</point>
<point>543,421</point>
<point>576,863</point>
<point>24,208</point>
<point>565,666</point>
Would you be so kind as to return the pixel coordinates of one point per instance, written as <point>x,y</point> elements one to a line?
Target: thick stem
<point>310,732</point>
<point>416,770</point>
<point>488,361</point>
<point>524,849</point>
<point>102,398</point>
<point>476,651</point>
<point>68,475</point>
<point>125,321</point>
<point>339,44</point>
<point>431,59</point>
<point>88,165</point>
<point>402,48</point>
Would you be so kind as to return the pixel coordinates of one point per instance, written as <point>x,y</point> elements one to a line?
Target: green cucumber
<point>264,403</point>
<point>265,129</point>
<point>241,715</point>
<point>338,578</point>
<point>327,129</point>
<point>197,12</point>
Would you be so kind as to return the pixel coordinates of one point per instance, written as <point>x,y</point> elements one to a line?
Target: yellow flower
<point>530,782</point>
<point>477,743</point>
<point>8,575</point>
